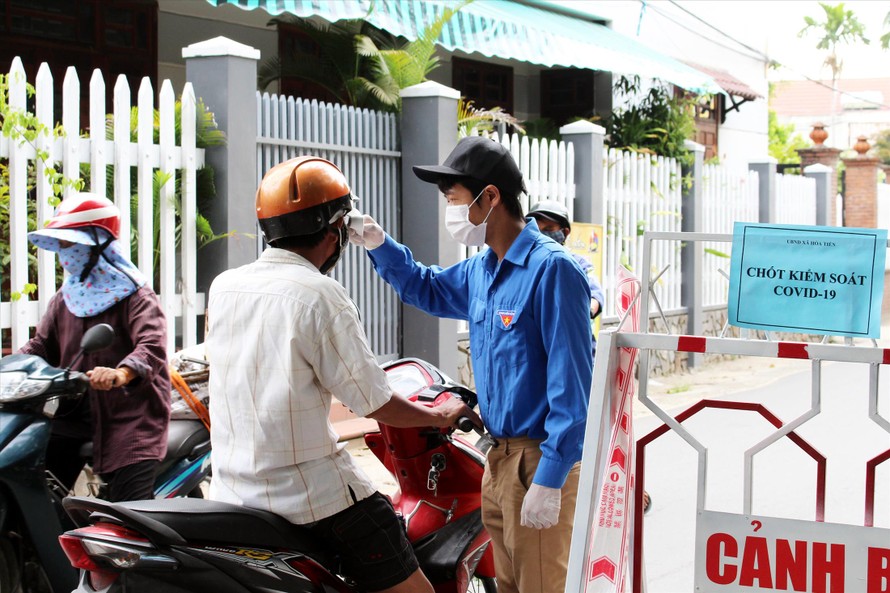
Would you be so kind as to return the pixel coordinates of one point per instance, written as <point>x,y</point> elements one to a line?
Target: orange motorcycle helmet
<point>300,197</point>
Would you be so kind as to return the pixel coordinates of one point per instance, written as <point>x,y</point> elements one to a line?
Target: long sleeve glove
<point>371,235</point>
<point>540,507</point>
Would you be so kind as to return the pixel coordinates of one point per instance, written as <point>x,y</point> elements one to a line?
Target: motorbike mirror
<point>97,338</point>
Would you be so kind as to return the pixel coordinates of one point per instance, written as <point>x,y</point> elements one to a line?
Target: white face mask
<point>457,221</point>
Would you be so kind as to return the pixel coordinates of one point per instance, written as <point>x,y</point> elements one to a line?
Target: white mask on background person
<point>457,221</point>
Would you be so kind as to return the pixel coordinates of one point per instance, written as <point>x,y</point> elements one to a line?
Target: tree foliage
<point>355,62</point>
<point>399,67</point>
<point>839,27</point>
<point>783,142</point>
<point>659,123</point>
<point>885,38</point>
<point>470,119</point>
<point>330,60</point>
<point>881,146</point>
<point>21,126</point>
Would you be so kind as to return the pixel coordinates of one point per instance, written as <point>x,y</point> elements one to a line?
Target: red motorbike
<point>189,545</point>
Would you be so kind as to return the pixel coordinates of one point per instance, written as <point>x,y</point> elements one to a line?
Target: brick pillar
<point>861,188</point>
<point>822,155</point>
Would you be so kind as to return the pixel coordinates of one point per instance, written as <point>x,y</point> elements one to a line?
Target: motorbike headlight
<point>16,386</point>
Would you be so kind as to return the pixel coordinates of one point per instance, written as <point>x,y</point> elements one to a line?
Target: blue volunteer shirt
<point>530,337</point>
<point>596,290</point>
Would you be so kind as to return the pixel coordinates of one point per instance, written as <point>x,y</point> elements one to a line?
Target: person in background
<point>553,221</point>
<point>126,411</point>
<point>284,338</point>
<point>528,307</point>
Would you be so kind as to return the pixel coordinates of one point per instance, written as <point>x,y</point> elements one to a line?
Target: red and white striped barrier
<point>740,347</point>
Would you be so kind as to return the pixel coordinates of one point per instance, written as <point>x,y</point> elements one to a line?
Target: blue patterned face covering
<point>558,236</point>
<point>99,275</point>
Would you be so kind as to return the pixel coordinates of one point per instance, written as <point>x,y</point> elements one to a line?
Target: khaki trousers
<point>526,560</point>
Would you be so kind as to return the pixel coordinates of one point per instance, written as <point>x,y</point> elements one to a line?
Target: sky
<point>771,26</point>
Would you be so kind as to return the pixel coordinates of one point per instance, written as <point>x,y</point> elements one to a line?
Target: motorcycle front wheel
<point>483,585</point>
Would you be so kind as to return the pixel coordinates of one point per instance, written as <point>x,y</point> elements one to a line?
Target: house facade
<point>861,108</point>
<point>548,60</point>
<point>733,126</point>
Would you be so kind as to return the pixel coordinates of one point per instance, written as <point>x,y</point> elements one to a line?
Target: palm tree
<point>471,119</point>
<point>396,68</point>
<point>329,61</point>
<point>840,27</point>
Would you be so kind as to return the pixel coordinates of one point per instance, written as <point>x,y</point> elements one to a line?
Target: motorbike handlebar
<point>79,379</point>
<point>465,424</point>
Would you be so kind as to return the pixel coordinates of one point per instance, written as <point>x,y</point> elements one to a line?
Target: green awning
<point>508,30</point>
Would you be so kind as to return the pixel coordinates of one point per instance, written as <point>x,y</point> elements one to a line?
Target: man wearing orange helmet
<point>283,339</point>
<point>128,424</point>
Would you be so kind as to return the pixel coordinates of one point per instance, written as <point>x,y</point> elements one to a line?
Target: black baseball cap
<point>482,159</point>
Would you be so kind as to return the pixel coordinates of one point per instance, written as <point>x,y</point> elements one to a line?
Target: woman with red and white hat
<point>127,408</point>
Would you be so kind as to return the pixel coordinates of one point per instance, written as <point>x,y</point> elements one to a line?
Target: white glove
<point>540,507</point>
<point>371,235</point>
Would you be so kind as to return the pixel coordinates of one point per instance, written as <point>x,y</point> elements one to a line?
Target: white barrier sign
<point>756,553</point>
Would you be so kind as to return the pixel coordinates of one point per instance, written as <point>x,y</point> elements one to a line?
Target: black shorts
<point>371,543</point>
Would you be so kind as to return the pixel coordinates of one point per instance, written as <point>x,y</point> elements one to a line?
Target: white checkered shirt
<point>283,338</point>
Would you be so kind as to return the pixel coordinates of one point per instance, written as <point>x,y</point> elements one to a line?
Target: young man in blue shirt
<point>528,306</point>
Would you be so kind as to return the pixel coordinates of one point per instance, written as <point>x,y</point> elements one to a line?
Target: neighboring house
<point>734,125</point>
<point>862,108</point>
<point>529,57</point>
<point>533,58</point>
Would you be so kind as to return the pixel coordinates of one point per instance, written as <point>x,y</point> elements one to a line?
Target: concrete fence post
<point>429,133</point>
<point>691,254</point>
<point>824,200</point>
<point>766,169</point>
<point>587,140</point>
<point>223,74</point>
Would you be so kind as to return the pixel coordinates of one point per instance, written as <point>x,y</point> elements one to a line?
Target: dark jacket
<point>128,424</point>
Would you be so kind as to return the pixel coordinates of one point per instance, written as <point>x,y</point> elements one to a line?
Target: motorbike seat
<point>182,438</point>
<point>215,522</point>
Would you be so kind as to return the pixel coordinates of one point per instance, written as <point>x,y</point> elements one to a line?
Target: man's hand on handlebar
<point>105,378</point>
<point>453,410</point>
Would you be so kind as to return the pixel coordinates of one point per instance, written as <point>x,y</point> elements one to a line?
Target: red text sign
<point>742,552</point>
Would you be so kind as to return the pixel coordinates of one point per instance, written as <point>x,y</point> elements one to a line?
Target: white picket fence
<point>641,192</point>
<point>177,270</point>
<point>727,197</point>
<point>795,199</point>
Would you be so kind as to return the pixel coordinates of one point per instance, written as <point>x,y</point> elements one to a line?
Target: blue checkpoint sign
<point>807,279</point>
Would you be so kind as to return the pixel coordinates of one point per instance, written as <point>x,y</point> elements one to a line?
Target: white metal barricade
<point>732,561</point>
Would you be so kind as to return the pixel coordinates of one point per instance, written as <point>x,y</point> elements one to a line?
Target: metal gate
<point>809,525</point>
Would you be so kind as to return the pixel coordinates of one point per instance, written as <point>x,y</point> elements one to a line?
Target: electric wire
<point>757,53</point>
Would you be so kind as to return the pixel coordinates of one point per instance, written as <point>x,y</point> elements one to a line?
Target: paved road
<point>784,477</point>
